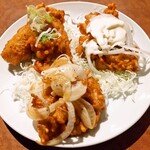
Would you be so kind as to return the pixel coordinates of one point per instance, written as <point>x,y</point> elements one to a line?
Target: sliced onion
<point>130,53</point>
<point>129,39</point>
<point>72,71</point>
<point>68,129</point>
<point>67,91</point>
<point>77,91</point>
<point>61,85</point>
<point>63,65</point>
<point>63,88</point>
<point>49,72</point>
<point>90,110</point>
<point>80,73</point>
<point>92,67</point>
<point>83,113</point>
<point>55,105</point>
<point>42,113</point>
<point>86,113</point>
<point>37,113</point>
<point>61,80</point>
<point>124,50</point>
<point>60,60</point>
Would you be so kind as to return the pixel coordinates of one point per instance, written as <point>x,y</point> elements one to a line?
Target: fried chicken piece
<point>94,94</point>
<point>48,129</point>
<point>56,122</point>
<point>17,49</point>
<point>23,46</point>
<point>46,52</point>
<point>118,62</point>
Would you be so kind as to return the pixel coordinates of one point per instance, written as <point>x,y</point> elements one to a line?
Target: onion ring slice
<point>42,113</point>
<point>69,127</point>
<point>86,112</point>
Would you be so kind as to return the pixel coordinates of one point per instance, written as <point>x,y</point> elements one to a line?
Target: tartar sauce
<point>108,31</point>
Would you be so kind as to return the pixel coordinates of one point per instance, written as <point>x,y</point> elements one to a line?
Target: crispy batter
<point>79,127</point>
<point>111,9</point>
<point>51,49</point>
<point>22,46</point>
<point>117,62</point>
<point>17,49</point>
<point>94,94</point>
<point>48,129</point>
<point>56,122</point>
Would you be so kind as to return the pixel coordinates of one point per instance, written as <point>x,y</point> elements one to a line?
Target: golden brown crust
<point>56,122</point>
<point>94,94</point>
<point>17,49</point>
<point>22,46</point>
<point>48,51</point>
<point>111,9</point>
<point>117,62</point>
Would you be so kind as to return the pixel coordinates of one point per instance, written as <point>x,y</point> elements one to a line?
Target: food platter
<point>120,114</point>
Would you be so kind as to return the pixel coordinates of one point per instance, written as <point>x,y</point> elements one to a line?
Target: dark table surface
<point>135,138</point>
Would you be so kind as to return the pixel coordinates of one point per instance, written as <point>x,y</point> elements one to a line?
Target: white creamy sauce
<point>92,48</point>
<point>108,31</point>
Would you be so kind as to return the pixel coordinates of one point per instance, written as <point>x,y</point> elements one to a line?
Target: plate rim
<point>75,2</point>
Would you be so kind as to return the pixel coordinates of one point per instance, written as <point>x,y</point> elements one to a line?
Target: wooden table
<point>135,138</point>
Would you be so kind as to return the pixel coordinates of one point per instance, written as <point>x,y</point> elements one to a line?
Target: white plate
<point>121,114</point>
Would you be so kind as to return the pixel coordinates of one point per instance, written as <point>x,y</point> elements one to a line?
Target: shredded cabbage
<point>29,79</point>
<point>115,85</point>
<point>72,32</point>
